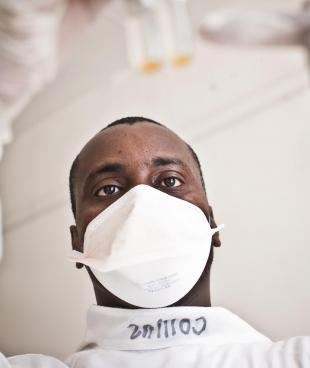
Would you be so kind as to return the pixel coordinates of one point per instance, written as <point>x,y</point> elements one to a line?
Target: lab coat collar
<point>144,329</point>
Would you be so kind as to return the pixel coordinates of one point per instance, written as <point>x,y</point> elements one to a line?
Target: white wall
<point>247,115</point>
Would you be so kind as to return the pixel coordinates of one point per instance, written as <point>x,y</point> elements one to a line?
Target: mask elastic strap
<point>216,229</point>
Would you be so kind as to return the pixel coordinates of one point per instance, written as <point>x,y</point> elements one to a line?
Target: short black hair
<point>130,120</point>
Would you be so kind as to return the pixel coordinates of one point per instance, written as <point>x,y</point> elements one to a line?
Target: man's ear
<point>216,242</point>
<point>75,242</point>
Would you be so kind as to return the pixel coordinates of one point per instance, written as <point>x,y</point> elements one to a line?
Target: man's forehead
<point>141,142</point>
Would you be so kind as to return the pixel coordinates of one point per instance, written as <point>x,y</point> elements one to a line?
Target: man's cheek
<point>198,201</point>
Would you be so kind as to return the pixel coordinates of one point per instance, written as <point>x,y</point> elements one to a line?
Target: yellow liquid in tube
<point>150,66</point>
<point>180,60</point>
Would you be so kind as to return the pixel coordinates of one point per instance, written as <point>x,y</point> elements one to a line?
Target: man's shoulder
<point>263,353</point>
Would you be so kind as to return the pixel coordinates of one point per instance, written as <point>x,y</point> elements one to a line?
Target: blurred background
<point>242,105</point>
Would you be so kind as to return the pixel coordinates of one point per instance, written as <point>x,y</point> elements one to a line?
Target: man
<point>143,228</point>
<point>135,154</point>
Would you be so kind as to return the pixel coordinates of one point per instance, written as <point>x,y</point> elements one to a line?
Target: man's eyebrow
<point>116,167</point>
<point>113,167</point>
<point>164,161</point>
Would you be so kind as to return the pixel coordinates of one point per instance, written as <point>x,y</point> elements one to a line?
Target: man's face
<point>124,156</point>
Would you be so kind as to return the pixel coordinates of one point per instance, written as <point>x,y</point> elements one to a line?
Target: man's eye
<point>107,190</point>
<point>170,182</point>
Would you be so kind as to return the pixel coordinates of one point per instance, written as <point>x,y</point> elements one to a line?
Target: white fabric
<point>148,329</point>
<point>31,361</point>
<point>227,341</point>
<point>28,53</point>
<point>28,56</point>
<point>116,338</point>
<point>148,248</point>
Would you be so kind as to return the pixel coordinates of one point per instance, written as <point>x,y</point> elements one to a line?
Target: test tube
<point>183,45</point>
<point>143,35</point>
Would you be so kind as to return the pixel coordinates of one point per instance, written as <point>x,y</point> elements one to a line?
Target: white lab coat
<point>173,338</point>
<point>30,361</point>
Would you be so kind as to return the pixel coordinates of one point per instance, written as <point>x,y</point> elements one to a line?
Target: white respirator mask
<point>148,248</point>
